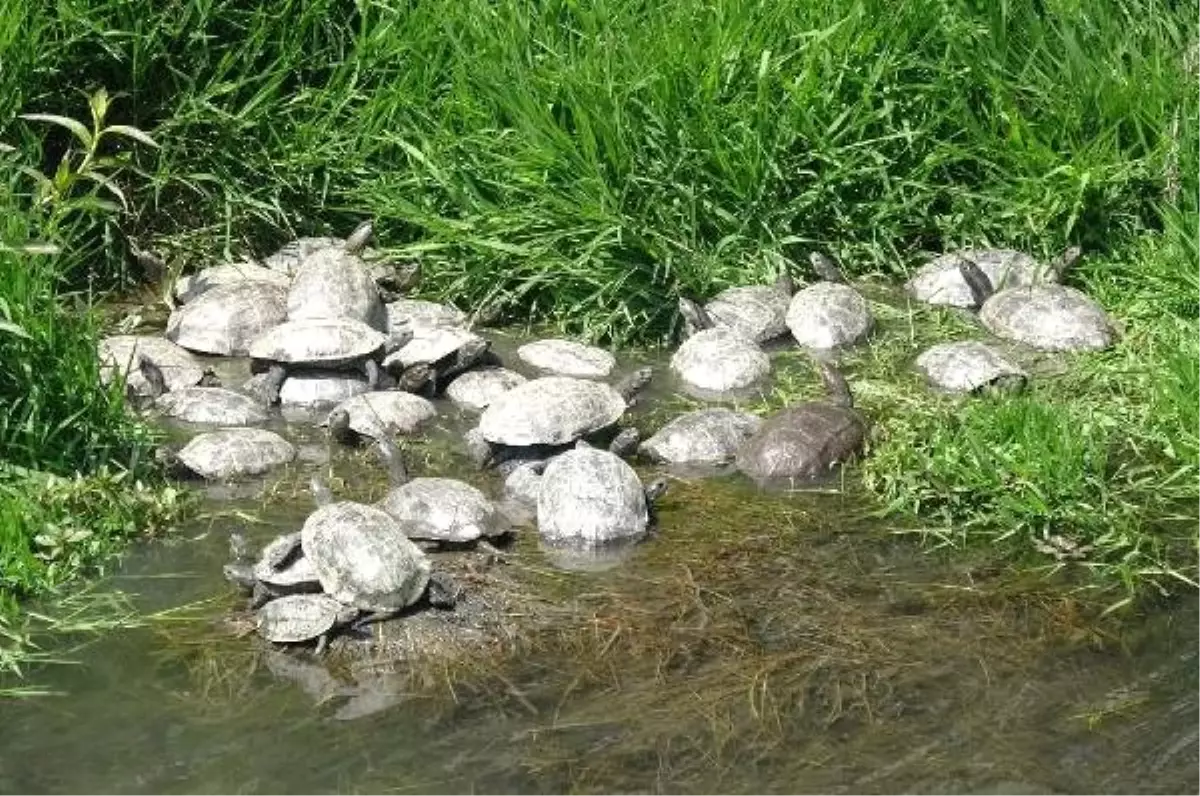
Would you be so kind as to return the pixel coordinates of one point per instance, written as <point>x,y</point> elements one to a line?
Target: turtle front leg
<point>273,383</point>
<point>322,644</point>
<point>371,369</point>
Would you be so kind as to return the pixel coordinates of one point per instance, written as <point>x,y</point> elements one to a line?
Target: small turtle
<point>523,485</point>
<point>189,288</point>
<point>212,406</point>
<point>362,555</point>
<point>225,319</point>
<point>940,281</point>
<point>830,313</point>
<point>378,415</point>
<point>805,442</point>
<point>438,510</point>
<point>119,355</point>
<point>717,362</point>
<point>437,355</point>
<point>757,311</point>
<point>330,344</point>
<point>969,366</point>
<point>591,498</point>
<point>156,384</point>
<point>319,389</point>
<point>1045,316</point>
<point>567,358</point>
<point>417,313</point>
<point>703,437</point>
<point>298,618</point>
<point>229,453</point>
<point>282,569</point>
<point>476,389</point>
<point>333,283</point>
<point>288,259</point>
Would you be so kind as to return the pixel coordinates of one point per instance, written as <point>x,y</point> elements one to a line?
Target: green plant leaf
<point>77,129</point>
<point>130,132</point>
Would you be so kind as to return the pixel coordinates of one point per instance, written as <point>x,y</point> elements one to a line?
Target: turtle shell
<point>429,345</point>
<point>300,617</point>
<point>476,389</point>
<point>319,342</point>
<point>444,510</point>
<point>288,258</point>
<point>966,366</point>
<point>119,354</point>
<point>591,498</point>
<point>319,388</point>
<point>757,311</point>
<point>190,287</point>
<point>829,315</point>
<point>568,358</point>
<point>720,361</point>
<point>225,319</point>
<point>333,284</point>
<point>552,410</point>
<point>417,313</point>
<point>211,405</point>
<point>385,414</point>
<point>941,282</point>
<point>1048,317</point>
<point>236,452</point>
<point>706,436</point>
<point>802,443</point>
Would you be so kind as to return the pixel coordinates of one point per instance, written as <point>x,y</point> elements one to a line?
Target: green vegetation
<point>582,164</point>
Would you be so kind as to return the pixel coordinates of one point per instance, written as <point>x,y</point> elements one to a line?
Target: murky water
<point>758,643</point>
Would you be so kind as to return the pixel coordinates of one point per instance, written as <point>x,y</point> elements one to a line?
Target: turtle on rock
<point>941,280</point>
<point>297,618</point>
<point>335,283</point>
<point>225,319</point>
<point>378,415</point>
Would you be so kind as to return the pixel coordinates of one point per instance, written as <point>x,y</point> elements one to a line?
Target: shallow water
<point>758,643</point>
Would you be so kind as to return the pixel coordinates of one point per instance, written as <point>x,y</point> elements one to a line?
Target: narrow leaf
<point>130,132</point>
<point>76,128</point>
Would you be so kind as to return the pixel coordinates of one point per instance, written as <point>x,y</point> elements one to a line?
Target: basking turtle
<point>319,389</point>
<point>229,453</point>
<point>329,344</point>
<point>703,437</point>
<point>378,415</point>
<point>119,355</point>
<point>523,476</point>
<point>717,362</point>
<point>830,313</point>
<point>212,406</point>
<point>152,377</point>
<point>969,366</point>
<point>567,358</point>
<point>439,510</point>
<point>225,319</point>
<point>940,281</point>
<point>192,286</point>
<point>297,618</point>
<point>757,311</point>
<point>805,442</point>
<point>417,313</point>
<point>333,283</point>
<point>391,276</point>
<point>436,355</point>
<point>476,389</point>
<point>592,498</point>
<point>1046,316</point>
<point>282,569</point>
<point>545,415</point>
<point>362,555</point>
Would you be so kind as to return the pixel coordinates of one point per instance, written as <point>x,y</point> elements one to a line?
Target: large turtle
<point>192,286</point>
<point>757,311</point>
<point>969,366</point>
<point>805,442</point>
<point>1046,316</point>
<point>418,313</point>
<point>592,498</point>
<point>297,618</point>
<point>229,453</point>
<point>704,437</point>
<point>567,358</point>
<point>434,357</point>
<point>362,555</point>
<point>717,361</point>
<point>311,390</point>
<point>476,389</point>
<point>333,283</point>
<point>211,406</point>
<point>225,319</point>
<point>378,415</point>
<point>940,281</point>
<point>328,344</point>
<point>830,313</point>
<point>119,355</point>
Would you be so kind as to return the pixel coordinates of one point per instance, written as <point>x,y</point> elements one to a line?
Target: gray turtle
<point>434,357</point>
<point>940,281</point>
<point>328,344</point>
<point>333,283</point>
<point>757,311</point>
<point>567,358</point>
<point>378,415</point>
<point>319,389</point>
<point>225,319</point>
<point>592,498</point>
<point>805,442</point>
<point>703,437</point>
<point>438,510</point>
<point>969,366</point>
<point>282,569</point>
<point>523,475</point>
<point>717,362</point>
<point>297,618</point>
<point>119,357</point>
<point>418,313</point>
<point>391,276</point>
<point>362,555</point>
<point>192,286</point>
<point>1045,316</point>
<point>211,406</point>
<point>230,453</point>
<point>830,313</point>
<point>476,389</point>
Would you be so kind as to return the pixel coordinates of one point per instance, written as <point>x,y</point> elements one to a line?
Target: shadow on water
<point>758,642</point>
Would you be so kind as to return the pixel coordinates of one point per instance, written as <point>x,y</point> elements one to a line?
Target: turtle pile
<point>326,329</point>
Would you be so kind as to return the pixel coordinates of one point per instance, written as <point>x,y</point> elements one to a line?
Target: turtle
<point>152,377</point>
<point>830,313</point>
<point>240,569</point>
<point>317,343</point>
<point>212,406</point>
<point>969,366</point>
<point>523,478</point>
<point>282,569</point>
<point>548,414</point>
<point>1046,316</point>
<point>225,319</point>
<point>332,283</point>
<point>703,437</point>
<point>475,389</point>
<point>434,356</point>
<point>320,389</point>
<point>757,311</point>
<point>119,354</point>
<point>940,281</point>
<point>378,415</point>
<point>192,286</point>
<point>443,511</point>
<point>362,555</point>
<point>717,362</point>
<point>229,453</point>
<point>590,497</point>
<point>567,358</point>
<point>418,313</point>
<point>288,259</point>
<point>805,442</point>
<point>297,618</point>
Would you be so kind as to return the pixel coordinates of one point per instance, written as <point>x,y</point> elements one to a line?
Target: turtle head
<point>320,490</point>
<point>210,378</point>
<point>393,459</point>
<point>785,284</point>
<point>825,268</point>
<point>339,425</point>
<point>273,383</point>
<point>415,378</point>
<point>634,383</point>
<point>978,282</point>
<point>1064,261</point>
<point>239,546</point>
<point>656,489</point>
<point>153,375</point>
<point>695,317</point>
<point>626,442</point>
<point>360,237</point>
<point>835,384</point>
